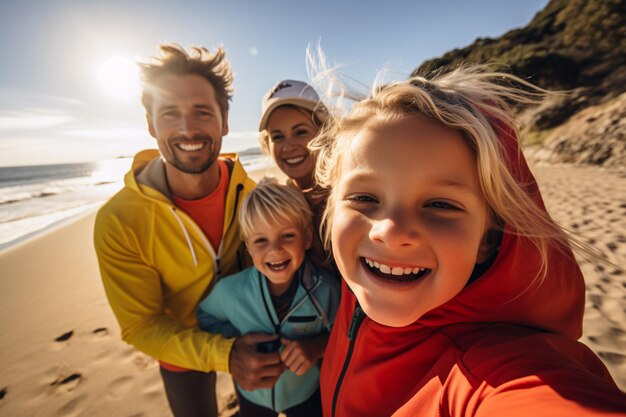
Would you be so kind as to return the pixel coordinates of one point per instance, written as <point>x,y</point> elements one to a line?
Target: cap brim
<point>314,107</point>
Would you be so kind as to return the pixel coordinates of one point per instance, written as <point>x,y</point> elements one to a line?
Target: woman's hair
<point>477,103</point>
<point>264,136</point>
<point>273,203</point>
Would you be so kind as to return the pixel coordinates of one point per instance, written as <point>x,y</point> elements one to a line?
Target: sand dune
<point>61,353</point>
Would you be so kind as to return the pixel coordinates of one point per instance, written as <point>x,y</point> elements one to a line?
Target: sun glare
<point>119,78</point>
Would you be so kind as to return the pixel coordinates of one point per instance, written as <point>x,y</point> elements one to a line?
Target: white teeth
<point>295,160</point>
<point>277,266</point>
<point>190,147</point>
<point>396,270</point>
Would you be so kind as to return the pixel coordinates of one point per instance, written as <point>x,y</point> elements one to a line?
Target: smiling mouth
<point>396,273</point>
<point>295,160</point>
<point>278,266</point>
<point>190,147</point>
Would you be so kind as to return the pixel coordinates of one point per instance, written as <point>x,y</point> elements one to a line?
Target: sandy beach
<point>61,352</point>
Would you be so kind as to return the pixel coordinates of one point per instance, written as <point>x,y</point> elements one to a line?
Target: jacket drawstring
<point>209,247</point>
<point>182,226</point>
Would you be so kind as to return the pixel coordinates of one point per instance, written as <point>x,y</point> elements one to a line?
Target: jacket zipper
<point>357,319</point>
<point>218,259</point>
<point>276,329</point>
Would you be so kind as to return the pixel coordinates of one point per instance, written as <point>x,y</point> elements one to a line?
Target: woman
<point>293,115</point>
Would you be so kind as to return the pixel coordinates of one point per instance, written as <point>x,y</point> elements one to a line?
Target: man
<point>172,231</point>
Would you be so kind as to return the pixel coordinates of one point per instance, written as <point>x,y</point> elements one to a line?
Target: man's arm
<point>252,369</point>
<point>134,292</point>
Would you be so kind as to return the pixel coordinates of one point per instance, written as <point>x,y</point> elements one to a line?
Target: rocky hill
<point>573,45</point>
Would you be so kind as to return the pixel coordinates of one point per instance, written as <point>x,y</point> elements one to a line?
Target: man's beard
<point>186,167</point>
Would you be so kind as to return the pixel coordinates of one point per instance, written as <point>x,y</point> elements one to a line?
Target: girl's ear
<point>488,245</point>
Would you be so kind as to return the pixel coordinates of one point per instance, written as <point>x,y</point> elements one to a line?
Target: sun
<point>119,78</point>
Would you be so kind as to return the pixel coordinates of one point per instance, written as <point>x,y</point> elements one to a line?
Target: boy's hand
<point>300,355</point>
<point>250,368</point>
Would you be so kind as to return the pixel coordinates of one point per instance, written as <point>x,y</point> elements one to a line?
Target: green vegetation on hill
<point>574,45</point>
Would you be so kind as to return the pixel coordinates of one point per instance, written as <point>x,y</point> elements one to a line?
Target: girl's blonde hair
<point>475,102</point>
<point>273,203</point>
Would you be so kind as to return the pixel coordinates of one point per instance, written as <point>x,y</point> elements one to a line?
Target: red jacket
<point>504,346</point>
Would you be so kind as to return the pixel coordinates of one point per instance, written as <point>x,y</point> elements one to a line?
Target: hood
<point>507,291</point>
<point>147,175</point>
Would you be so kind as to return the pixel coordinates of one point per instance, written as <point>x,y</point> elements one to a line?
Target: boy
<point>282,294</point>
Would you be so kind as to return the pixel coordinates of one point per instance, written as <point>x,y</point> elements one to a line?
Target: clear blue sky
<point>60,100</point>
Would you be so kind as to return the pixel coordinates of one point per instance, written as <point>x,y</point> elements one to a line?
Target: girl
<point>282,294</point>
<point>292,115</point>
<point>464,297</point>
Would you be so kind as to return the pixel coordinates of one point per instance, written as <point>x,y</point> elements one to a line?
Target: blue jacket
<point>241,303</point>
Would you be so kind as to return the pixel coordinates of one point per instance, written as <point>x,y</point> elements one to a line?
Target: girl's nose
<point>395,231</point>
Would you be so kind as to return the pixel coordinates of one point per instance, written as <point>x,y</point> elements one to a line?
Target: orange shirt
<point>208,213</point>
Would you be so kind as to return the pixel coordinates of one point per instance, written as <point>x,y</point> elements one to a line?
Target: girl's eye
<point>302,132</point>
<point>443,205</point>
<point>288,235</point>
<point>361,198</point>
<point>276,138</point>
<point>259,241</point>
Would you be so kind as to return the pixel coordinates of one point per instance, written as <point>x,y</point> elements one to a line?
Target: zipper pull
<point>357,318</point>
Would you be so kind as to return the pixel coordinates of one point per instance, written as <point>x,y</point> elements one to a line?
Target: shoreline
<point>32,222</point>
<point>61,353</point>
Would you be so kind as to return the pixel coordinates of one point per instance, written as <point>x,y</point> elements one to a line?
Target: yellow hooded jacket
<point>157,264</point>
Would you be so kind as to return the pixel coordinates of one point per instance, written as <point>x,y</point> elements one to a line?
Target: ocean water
<point>34,198</point>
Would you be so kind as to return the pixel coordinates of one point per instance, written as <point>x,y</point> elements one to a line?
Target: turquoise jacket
<point>241,303</point>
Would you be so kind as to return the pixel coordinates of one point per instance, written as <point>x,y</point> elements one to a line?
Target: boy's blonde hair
<point>475,102</point>
<point>273,203</point>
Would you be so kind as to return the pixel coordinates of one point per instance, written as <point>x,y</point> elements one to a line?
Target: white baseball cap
<point>291,92</point>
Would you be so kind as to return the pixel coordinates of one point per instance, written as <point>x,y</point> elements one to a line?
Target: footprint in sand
<point>119,387</point>
<point>66,383</point>
<point>231,402</point>
<point>65,336</point>
<point>143,361</point>
<point>61,341</point>
<point>3,392</point>
<point>614,339</point>
<point>613,357</point>
<point>100,332</point>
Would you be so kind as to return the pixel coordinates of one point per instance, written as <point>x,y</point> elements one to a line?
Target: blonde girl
<point>464,298</point>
